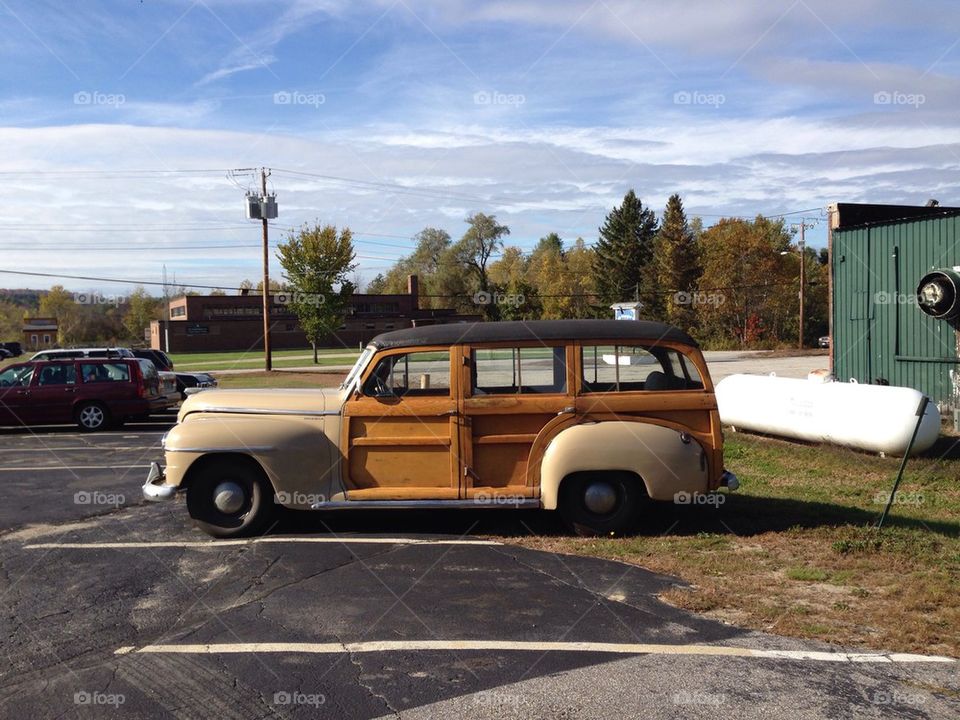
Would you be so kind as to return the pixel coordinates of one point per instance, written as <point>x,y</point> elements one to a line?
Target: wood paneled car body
<point>593,418</point>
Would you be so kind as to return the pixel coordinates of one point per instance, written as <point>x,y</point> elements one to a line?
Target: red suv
<point>92,392</point>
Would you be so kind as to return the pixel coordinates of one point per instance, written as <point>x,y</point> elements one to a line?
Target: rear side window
<point>105,372</point>
<point>59,374</point>
<point>509,371</point>
<point>621,368</point>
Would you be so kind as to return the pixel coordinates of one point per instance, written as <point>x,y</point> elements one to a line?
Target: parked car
<point>201,381</point>
<point>168,380</point>
<point>5,354</point>
<point>94,393</point>
<point>159,358</point>
<point>593,418</point>
<point>824,341</point>
<point>65,353</point>
<point>15,348</point>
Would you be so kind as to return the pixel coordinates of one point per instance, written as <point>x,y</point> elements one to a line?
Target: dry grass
<point>795,551</point>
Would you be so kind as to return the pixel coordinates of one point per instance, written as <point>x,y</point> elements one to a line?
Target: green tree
<point>472,253</point>
<point>377,286</point>
<point>513,291</point>
<point>63,305</point>
<point>317,262</point>
<point>621,265</point>
<point>676,262</point>
<point>744,296</point>
<point>141,309</point>
<point>11,321</point>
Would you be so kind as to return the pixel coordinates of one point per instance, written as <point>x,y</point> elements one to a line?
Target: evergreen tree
<point>623,253</point>
<point>677,265</point>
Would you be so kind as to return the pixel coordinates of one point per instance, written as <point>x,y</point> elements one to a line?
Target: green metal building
<point>895,298</point>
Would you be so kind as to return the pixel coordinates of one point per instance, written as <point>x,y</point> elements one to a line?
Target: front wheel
<point>91,417</point>
<point>601,503</point>
<point>230,498</point>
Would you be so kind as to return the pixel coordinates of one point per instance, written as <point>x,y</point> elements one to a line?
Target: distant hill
<point>24,297</point>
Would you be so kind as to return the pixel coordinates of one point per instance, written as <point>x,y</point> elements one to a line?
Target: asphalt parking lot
<point>115,608</point>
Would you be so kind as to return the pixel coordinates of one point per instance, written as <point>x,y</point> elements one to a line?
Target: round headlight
<point>938,294</point>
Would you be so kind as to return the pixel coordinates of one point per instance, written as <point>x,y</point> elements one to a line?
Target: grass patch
<point>795,551</point>
<point>254,359</point>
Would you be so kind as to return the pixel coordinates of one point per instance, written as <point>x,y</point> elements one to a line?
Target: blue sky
<point>544,113</point>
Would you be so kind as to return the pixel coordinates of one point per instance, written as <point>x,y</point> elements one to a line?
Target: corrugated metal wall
<point>878,330</point>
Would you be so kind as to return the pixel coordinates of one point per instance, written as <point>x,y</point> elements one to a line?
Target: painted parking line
<point>214,544</point>
<point>98,448</point>
<point>531,646</point>
<point>21,468</point>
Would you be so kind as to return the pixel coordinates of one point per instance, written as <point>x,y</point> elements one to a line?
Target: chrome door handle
<point>569,410</point>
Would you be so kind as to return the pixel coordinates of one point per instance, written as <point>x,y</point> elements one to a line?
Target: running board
<point>471,503</point>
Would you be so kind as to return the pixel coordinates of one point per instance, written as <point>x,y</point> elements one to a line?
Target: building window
<point>46,339</point>
<point>33,340</point>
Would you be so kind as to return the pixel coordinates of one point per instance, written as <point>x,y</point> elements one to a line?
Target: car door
<point>513,394</point>
<point>399,430</point>
<point>15,393</point>
<point>52,394</point>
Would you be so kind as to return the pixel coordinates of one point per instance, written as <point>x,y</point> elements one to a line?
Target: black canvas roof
<point>526,330</point>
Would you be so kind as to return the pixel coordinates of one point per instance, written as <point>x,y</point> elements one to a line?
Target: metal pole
<point>267,359</point>
<point>921,411</point>
<point>803,279</point>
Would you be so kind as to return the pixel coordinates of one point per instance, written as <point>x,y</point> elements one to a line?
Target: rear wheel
<point>601,503</point>
<point>229,497</point>
<point>92,416</point>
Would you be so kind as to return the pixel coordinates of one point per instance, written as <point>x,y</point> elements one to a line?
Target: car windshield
<point>358,367</point>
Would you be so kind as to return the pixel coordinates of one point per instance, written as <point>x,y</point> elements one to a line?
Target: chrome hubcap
<point>600,498</point>
<point>228,497</point>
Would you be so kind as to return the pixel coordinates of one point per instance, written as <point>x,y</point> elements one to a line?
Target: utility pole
<point>803,276</point>
<point>267,358</point>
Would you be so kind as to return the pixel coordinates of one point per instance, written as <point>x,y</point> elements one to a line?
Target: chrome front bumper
<point>729,481</point>
<point>154,489</point>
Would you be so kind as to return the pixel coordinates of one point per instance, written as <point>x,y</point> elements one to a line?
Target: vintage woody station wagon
<point>593,418</point>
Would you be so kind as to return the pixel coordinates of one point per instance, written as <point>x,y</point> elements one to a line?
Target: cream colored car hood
<point>263,401</point>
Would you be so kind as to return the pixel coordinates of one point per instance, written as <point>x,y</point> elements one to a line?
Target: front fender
<point>666,464</point>
<point>295,452</point>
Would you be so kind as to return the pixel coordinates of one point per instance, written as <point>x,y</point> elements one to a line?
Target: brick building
<point>199,323</point>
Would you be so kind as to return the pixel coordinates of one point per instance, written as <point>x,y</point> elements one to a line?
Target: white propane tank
<point>878,418</point>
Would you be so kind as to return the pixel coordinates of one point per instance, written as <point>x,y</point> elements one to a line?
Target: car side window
<point>509,371</point>
<point>410,374</point>
<point>621,368</point>
<point>19,376</point>
<point>59,374</point>
<point>105,372</point>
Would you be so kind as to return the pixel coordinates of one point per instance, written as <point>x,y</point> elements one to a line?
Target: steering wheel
<point>380,387</point>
